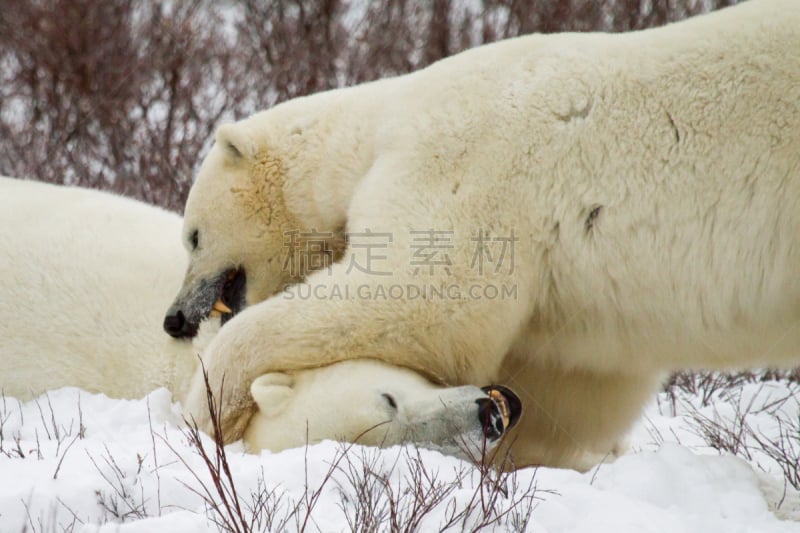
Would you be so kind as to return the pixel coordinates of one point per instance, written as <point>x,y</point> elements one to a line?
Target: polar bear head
<point>373,403</point>
<point>244,242</point>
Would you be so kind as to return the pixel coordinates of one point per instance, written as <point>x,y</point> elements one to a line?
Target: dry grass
<point>732,430</point>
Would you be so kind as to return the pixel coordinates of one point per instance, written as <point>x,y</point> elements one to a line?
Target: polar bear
<point>377,404</point>
<point>80,270</point>
<point>573,215</point>
<point>86,275</point>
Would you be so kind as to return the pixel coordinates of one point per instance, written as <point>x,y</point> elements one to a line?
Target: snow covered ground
<point>74,461</point>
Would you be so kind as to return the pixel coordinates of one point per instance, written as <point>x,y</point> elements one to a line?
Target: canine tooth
<point>214,313</point>
<point>221,307</point>
<point>502,403</point>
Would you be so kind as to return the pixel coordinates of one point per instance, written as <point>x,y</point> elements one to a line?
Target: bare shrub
<point>732,431</point>
<point>375,497</point>
<point>126,500</point>
<point>5,414</point>
<point>121,95</point>
<point>725,434</point>
<point>783,449</point>
<point>224,506</point>
<point>372,501</point>
<point>64,435</point>
<point>46,522</point>
<point>499,498</point>
<point>706,385</point>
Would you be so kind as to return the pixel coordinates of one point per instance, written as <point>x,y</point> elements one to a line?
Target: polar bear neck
<point>326,145</point>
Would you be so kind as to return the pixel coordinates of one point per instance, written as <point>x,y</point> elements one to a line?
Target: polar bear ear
<point>236,142</point>
<point>272,393</point>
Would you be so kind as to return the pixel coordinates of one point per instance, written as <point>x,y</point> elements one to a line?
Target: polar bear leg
<point>576,418</point>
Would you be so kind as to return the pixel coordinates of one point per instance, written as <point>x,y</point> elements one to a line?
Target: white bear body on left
<point>90,320</point>
<point>87,275</point>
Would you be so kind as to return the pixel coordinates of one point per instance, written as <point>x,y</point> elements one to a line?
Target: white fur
<point>87,276</point>
<point>348,401</point>
<point>687,139</point>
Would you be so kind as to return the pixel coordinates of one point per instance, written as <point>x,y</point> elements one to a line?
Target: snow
<point>74,461</point>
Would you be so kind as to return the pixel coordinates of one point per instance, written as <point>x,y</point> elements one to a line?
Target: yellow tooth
<point>214,313</point>
<point>502,403</point>
<point>221,307</point>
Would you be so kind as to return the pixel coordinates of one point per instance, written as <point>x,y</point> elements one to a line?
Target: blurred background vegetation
<point>126,94</point>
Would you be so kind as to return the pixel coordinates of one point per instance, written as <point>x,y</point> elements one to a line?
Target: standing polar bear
<point>86,276</point>
<point>573,215</point>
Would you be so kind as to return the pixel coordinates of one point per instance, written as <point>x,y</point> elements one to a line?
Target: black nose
<point>175,324</point>
<point>491,419</point>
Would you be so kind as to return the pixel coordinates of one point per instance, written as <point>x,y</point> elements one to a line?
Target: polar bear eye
<point>194,239</point>
<point>390,400</point>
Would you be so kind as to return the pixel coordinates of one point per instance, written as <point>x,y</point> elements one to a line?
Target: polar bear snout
<point>499,412</point>
<point>220,296</point>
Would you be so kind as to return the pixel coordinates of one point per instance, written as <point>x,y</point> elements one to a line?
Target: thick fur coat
<point>650,183</point>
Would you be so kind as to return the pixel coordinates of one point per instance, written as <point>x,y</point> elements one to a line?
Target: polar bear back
<point>86,278</point>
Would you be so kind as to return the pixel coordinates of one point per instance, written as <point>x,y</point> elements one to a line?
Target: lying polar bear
<point>573,215</point>
<point>86,275</point>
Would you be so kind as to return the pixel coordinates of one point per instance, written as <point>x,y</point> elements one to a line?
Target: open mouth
<point>221,296</point>
<point>232,295</point>
<point>508,404</point>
